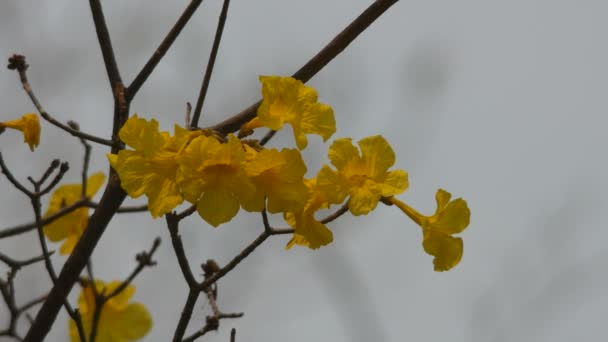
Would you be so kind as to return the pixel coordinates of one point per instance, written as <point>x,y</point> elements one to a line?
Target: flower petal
<point>446,249</point>
<point>395,183</point>
<point>217,207</point>
<point>377,154</point>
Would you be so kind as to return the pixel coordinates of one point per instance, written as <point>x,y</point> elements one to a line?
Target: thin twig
<point>24,228</point>
<point>343,209</point>
<point>178,247</point>
<point>266,138</point>
<point>162,49</point>
<point>315,64</point>
<point>216,44</point>
<point>17,62</point>
<point>103,36</point>
<point>12,179</point>
<point>233,335</point>
<point>15,265</point>
<point>144,259</point>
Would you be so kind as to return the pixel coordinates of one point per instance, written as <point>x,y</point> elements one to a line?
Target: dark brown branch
<point>103,36</point>
<point>121,210</point>
<point>266,138</point>
<point>110,202</point>
<point>36,205</point>
<point>24,228</point>
<point>315,64</point>
<point>162,49</point>
<point>207,78</point>
<point>178,247</point>
<point>186,315</point>
<point>17,62</point>
<point>343,209</point>
<point>236,260</point>
<point>233,335</point>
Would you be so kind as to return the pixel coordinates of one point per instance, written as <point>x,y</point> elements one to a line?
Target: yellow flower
<point>29,125</point>
<point>278,176</point>
<point>212,176</point>
<point>120,321</point>
<point>450,218</point>
<point>71,225</point>
<point>151,169</point>
<point>307,230</point>
<point>287,100</point>
<point>364,177</point>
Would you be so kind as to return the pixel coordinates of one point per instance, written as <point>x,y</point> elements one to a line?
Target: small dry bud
<point>74,125</point>
<point>17,62</point>
<point>210,267</point>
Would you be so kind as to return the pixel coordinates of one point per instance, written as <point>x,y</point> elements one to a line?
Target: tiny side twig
<point>17,62</point>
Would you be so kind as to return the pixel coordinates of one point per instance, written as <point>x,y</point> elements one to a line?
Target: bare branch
<point>162,49</point>
<point>210,64</point>
<point>17,62</point>
<point>315,64</point>
<point>103,36</point>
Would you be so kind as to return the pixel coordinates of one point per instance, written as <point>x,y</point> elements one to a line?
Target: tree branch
<point>162,49</point>
<point>315,64</point>
<point>210,64</point>
<point>17,62</point>
<point>103,36</point>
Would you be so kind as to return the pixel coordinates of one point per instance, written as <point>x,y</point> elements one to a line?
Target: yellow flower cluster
<point>221,175</point>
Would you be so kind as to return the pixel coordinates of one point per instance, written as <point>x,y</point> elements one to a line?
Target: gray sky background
<point>499,102</point>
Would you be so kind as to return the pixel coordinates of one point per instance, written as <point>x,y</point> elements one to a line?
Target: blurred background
<point>500,102</point>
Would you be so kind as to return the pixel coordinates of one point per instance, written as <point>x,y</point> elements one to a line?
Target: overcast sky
<point>500,102</point>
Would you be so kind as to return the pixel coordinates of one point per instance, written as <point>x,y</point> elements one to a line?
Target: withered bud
<point>74,125</point>
<point>17,62</point>
<point>210,267</point>
<point>64,167</point>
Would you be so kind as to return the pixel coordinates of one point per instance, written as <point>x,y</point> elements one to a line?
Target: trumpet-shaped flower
<point>212,175</point>
<point>364,177</point>
<point>451,217</point>
<point>151,168</point>
<point>70,226</point>
<point>287,100</point>
<point>29,125</point>
<point>307,230</point>
<point>119,321</point>
<point>278,176</point>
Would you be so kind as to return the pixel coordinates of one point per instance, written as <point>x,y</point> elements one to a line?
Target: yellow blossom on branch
<point>151,168</point>
<point>29,125</point>
<point>451,217</point>
<point>307,230</point>
<point>362,176</point>
<point>70,226</point>
<point>287,100</point>
<point>212,176</point>
<point>119,321</point>
<point>279,177</point>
